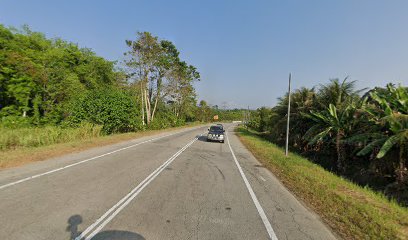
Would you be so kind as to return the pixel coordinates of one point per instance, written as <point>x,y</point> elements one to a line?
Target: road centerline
<point>86,160</point>
<point>258,206</point>
<point>121,204</point>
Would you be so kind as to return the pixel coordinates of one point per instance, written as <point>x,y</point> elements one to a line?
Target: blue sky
<point>243,49</point>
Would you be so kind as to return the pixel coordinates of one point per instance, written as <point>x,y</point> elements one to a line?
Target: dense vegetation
<point>364,138</point>
<point>55,83</point>
<point>40,77</point>
<point>352,211</point>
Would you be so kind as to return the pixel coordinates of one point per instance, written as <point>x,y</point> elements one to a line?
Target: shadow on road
<point>202,138</point>
<point>75,220</point>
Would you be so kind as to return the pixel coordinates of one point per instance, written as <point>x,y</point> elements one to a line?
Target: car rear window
<point>215,128</point>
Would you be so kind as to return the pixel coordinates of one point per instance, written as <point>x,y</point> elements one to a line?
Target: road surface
<point>173,185</point>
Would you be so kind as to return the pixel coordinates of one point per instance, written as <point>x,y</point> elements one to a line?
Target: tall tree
<point>336,122</point>
<point>180,88</point>
<point>156,66</point>
<point>143,57</point>
<point>338,93</point>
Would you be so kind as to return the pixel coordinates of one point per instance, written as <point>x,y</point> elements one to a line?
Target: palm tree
<point>302,101</point>
<point>338,93</point>
<point>335,122</point>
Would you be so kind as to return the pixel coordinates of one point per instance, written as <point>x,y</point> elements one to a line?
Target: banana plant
<point>332,125</point>
<point>390,112</point>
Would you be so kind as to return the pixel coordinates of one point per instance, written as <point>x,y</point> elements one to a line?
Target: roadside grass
<point>45,143</point>
<point>11,138</point>
<point>353,212</point>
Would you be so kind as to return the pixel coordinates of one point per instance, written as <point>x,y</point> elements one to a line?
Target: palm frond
<point>320,136</point>
<point>364,137</point>
<point>387,146</point>
<point>370,147</point>
<point>333,111</point>
<point>311,132</point>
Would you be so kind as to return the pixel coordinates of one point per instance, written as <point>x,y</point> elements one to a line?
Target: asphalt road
<point>158,187</point>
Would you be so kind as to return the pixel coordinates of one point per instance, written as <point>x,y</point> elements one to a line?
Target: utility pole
<point>246,119</point>
<point>249,115</point>
<point>287,125</point>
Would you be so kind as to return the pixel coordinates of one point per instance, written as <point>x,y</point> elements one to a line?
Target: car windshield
<point>215,128</point>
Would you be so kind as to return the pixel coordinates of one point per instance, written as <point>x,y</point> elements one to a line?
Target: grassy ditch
<point>21,146</point>
<point>351,211</point>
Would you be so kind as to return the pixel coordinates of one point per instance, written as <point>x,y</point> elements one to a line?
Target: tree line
<point>359,134</point>
<point>55,82</point>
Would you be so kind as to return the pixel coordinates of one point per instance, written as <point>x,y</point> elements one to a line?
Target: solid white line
<point>84,161</point>
<point>102,221</point>
<point>258,206</point>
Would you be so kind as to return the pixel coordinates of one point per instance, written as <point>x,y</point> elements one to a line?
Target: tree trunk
<point>157,97</point>
<point>340,153</point>
<point>142,100</point>
<point>25,107</point>
<point>147,105</point>
<point>154,108</point>
<point>401,172</point>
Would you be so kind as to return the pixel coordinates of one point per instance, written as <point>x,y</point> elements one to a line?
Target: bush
<point>114,110</point>
<point>162,121</point>
<point>15,122</point>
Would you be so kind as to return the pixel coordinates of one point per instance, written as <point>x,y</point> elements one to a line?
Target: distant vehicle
<point>216,133</point>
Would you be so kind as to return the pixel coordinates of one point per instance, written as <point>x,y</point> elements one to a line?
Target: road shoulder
<point>289,217</point>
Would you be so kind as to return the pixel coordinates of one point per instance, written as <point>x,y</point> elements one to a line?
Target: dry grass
<point>351,211</point>
<point>23,155</point>
<point>11,138</point>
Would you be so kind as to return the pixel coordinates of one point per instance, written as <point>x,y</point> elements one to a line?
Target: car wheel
<point>222,141</point>
<point>208,140</point>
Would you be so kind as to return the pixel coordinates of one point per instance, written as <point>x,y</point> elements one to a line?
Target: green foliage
<point>55,82</point>
<point>388,113</point>
<point>206,113</point>
<point>38,76</point>
<point>163,121</point>
<point>261,119</point>
<point>333,125</point>
<point>359,137</point>
<point>110,108</point>
<point>155,67</point>
<point>15,122</point>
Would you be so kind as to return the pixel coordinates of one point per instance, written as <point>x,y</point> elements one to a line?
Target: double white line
<point>92,230</point>
<point>86,160</point>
